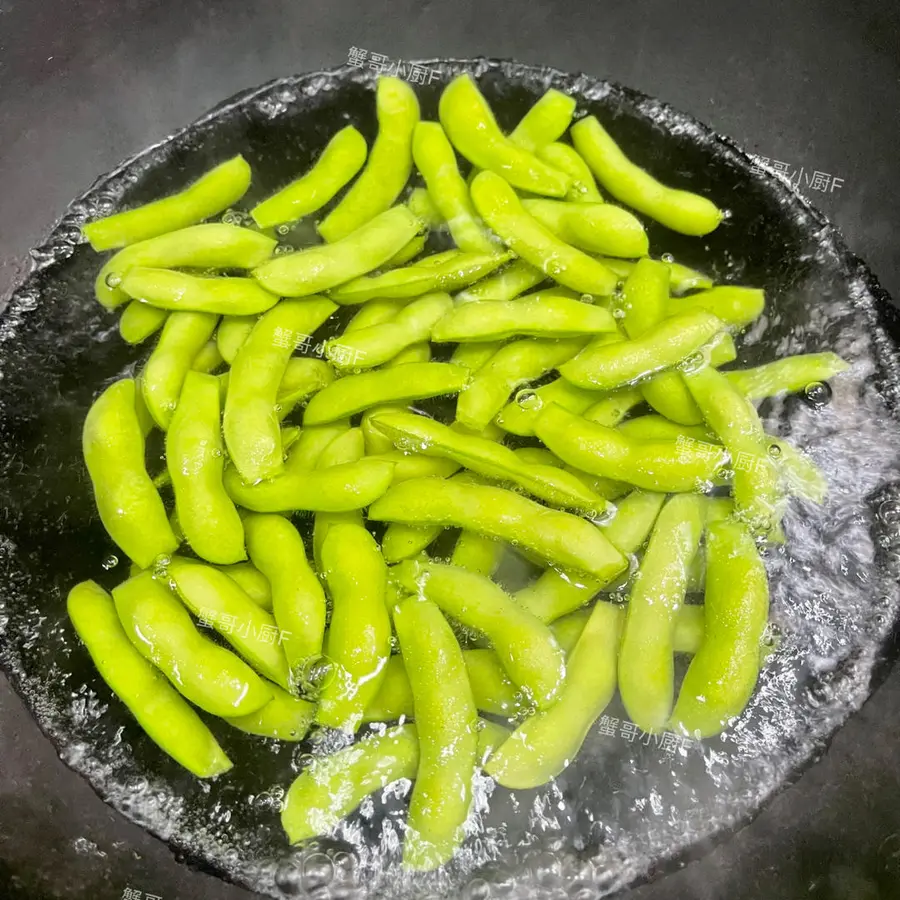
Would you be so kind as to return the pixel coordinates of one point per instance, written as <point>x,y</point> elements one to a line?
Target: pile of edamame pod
<point>596,437</point>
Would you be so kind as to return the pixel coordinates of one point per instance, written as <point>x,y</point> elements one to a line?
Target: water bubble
<point>774,450</point>
<point>667,258</point>
<point>618,313</point>
<point>477,889</point>
<point>229,218</point>
<point>110,562</point>
<point>605,516</point>
<point>620,285</point>
<point>529,400</point>
<point>889,512</point>
<point>693,363</point>
<point>283,229</point>
<point>726,214</point>
<point>283,249</point>
<point>817,394</point>
<point>314,675</point>
<point>587,298</point>
<point>161,567</point>
<point>724,472</point>
<point>113,280</point>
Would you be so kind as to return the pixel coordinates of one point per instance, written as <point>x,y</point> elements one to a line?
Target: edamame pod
<point>161,711</point>
<point>435,159</point>
<point>484,457</point>
<point>213,596</point>
<point>545,122</point>
<point>510,367</point>
<point>407,252</point>
<point>196,462</point>
<point>404,541</point>
<point>791,374</point>
<point>519,416</point>
<point>208,359</point>
<point>681,211</point>
<point>231,334</point>
<point>477,553</point>
<point>214,245</point>
<point>209,195</point>
<point>336,489</point>
<point>139,320</point>
<point>646,667</point>
<point>420,352</point>
<point>735,306</point>
<point>375,312</point>
<point>423,277</point>
<point>284,718</point>
<point>130,507</point>
<point>344,155</point>
<point>415,465</point>
<point>388,167</point>
<point>472,129</point>
<point>545,743</point>
<point>525,646</point>
<point>168,289</point>
<point>557,593</point>
<point>801,475</point>
<point>499,206</point>
<point>508,283</point>
<point>659,428</point>
<point>447,728</point>
<point>355,393</point>
<point>682,277</point>
<point>424,209</point>
<point>558,537</point>
<point>161,630</point>
<point>583,188</point>
<point>298,601</point>
<point>611,408</point>
<point>722,675</point>
<point>359,634</point>
<point>366,348</point>
<point>251,423</point>
<point>183,336</point>
<point>474,356</point>
<point>733,418</point>
<point>604,366</point>
<point>543,315</point>
<point>667,466</point>
<point>252,582</point>
<point>302,378</point>
<point>321,267</point>
<point>592,227</point>
<point>312,443</point>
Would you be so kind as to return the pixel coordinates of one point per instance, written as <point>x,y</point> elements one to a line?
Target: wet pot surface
<point>631,803</point>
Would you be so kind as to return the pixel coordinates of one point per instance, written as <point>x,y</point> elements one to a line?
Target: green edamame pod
<point>196,462</point>
<point>477,553</point>
<point>472,129</point>
<point>512,280</point>
<point>510,367</point>
<point>611,408</point>
<point>139,320</point>
<point>420,352</point>
<point>407,252</point>
<point>556,593</point>
<point>376,442</point>
<point>208,359</point>
<point>791,374</point>
<point>284,717</point>
<point>426,436</point>
<point>211,595</point>
<point>251,423</point>
<point>544,315</point>
<point>130,507</point>
<point>414,465</point>
<point>646,667</point>
<point>558,537</point>
<point>604,366</point>
<point>231,334</point>
<point>722,675</point>
<point>733,418</point>
<point>683,278</point>
<point>681,211</point>
<point>435,159</point>
<point>355,393</point>
<point>583,188</point>
<point>518,417</point>
<point>545,122</point>
<point>298,601</point>
<point>423,277</point>
<point>424,209</point>
<point>388,167</point>
<point>801,475</point>
<point>333,490</point>
<point>344,155</point>
<point>592,227</point>
<point>668,466</point>
<point>183,336</point>
<point>375,312</point>
<point>359,635</point>
<point>325,266</point>
<point>659,428</point>
<point>312,443</point>
<point>214,245</point>
<point>447,728</point>
<point>474,356</point>
<point>302,378</point>
<point>545,743</point>
<point>216,190</point>
<point>161,711</point>
<point>168,289</point>
<point>366,348</point>
<point>161,630</point>
<point>735,306</point>
<point>525,646</point>
<point>499,206</point>
<point>404,541</point>
<point>252,582</point>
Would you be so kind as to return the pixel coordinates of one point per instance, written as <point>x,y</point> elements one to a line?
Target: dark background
<point>813,84</point>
